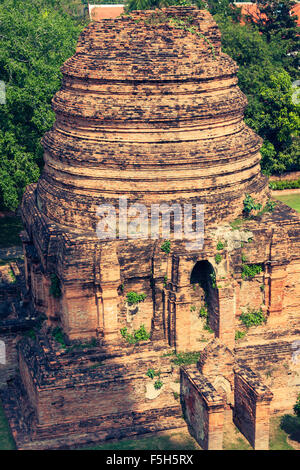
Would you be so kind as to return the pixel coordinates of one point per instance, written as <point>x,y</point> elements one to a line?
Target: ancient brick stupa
<point>150,111</point>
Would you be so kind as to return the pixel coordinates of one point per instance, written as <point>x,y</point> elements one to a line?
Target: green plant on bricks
<point>58,335</point>
<point>244,258</point>
<point>151,373</point>
<point>166,246</point>
<point>213,280</point>
<point>135,298</point>
<point>297,406</point>
<point>218,258</point>
<point>185,358</point>
<point>250,205</point>
<point>203,313</point>
<point>138,335</point>
<point>208,328</point>
<point>239,334</point>
<point>252,317</point>
<point>158,384</point>
<point>250,271</point>
<point>220,246</point>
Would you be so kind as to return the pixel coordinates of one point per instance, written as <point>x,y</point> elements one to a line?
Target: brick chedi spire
<point>149,108</point>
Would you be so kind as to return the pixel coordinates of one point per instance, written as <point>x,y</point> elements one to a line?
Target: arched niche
<point>204,275</point>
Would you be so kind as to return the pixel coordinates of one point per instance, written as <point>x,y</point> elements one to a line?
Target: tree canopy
<point>36,38</point>
<point>265,80</point>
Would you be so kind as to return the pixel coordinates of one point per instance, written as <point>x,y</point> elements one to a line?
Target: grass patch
<point>10,228</point>
<point>238,444</point>
<point>185,358</point>
<point>278,435</point>
<point>292,200</point>
<point>58,335</point>
<point>168,441</point>
<point>236,224</point>
<point>6,440</point>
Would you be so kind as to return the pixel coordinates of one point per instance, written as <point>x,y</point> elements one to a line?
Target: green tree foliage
<point>278,26</point>
<point>297,406</point>
<point>152,4</point>
<point>264,79</point>
<point>36,37</point>
<point>275,18</point>
<point>224,8</point>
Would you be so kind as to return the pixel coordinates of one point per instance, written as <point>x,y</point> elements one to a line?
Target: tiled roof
<point>252,9</point>
<point>100,12</point>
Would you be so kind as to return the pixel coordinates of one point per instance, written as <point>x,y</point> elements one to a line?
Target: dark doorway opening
<point>204,275</point>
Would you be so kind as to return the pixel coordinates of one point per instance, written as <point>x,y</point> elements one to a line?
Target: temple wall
<point>29,384</point>
<point>137,314</point>
<point>291,300</point>
<point>250,293</point>
<point>113,391</point>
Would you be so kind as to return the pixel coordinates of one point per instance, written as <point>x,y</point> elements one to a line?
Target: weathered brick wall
<point>29,383</point>
<point>118,390</point>
<point>203,409</point>
<point>216,363</point>
<point>11,331</point>
<point>252,408</point>
<point>291,300</point>
<point>278,365</point>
